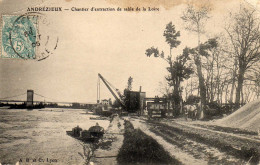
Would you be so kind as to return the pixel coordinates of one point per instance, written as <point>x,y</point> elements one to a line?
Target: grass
<point>139,148</point>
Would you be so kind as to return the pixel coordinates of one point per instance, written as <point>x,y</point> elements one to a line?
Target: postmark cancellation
<point>27,37</point>
<point>19,36</point>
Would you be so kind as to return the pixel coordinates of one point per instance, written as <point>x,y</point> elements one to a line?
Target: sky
<point>110,43</point>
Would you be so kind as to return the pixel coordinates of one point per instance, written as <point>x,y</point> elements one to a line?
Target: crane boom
<point>112,92</point>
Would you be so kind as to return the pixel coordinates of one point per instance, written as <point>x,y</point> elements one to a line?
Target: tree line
<point>223,69</point>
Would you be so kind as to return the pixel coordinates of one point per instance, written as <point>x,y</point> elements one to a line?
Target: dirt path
<point>113,135</point>
<point>183,148</point>
<point>182,156</point>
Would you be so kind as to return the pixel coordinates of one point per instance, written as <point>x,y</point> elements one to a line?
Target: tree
<point>164,89</point>
<point>204,50</point>
<point>181,70</point>
<point>215,70</point>
<point>244,36</point>
<point>129,83</point>
<point>195,21</point>
<point>178,70</point>
<point>88,152</point>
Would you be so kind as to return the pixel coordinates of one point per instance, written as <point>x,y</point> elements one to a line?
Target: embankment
<point>139,148</point>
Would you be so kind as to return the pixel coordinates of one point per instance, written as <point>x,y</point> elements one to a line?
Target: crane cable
<point>98,89</point>
<point>117,90</point>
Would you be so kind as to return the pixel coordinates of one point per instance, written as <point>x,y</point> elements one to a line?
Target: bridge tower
<point>29,103</point>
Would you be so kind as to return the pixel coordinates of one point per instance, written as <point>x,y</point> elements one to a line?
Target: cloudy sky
<point>110,43</point>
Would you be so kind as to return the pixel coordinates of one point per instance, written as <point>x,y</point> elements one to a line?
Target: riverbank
<point>112,142</point>
<point>38,135</point>
<point>42,134</point>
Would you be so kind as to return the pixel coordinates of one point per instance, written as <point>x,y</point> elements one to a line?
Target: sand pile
<point>247,117</point>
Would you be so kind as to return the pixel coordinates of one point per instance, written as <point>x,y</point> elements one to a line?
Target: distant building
<point>105,102</point>
<point>75,105</point>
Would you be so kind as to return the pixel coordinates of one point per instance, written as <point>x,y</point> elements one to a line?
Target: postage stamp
<point>19,36</point>
<point>27,37</point>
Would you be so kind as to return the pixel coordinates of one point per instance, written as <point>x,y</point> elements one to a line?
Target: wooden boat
<point>93,134</point>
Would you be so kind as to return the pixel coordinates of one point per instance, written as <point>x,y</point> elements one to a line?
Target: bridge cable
<point>13,96</point>
<point>44,96</point>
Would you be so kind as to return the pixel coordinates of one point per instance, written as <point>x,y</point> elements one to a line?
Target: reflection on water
<point>41,135</point>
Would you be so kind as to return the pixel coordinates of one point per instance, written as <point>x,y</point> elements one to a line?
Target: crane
<point>110,86</point>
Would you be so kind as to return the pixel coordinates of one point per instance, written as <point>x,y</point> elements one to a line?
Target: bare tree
<point>244,35</point>
<point>218,67</point>
<point>228,66</point>
<point>257,86</point>
<point>164,88</point>
<point>88,152</point>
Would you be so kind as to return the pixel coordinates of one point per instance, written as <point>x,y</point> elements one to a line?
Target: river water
<point>39,136</point>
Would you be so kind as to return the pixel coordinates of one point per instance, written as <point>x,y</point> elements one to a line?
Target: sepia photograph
<point>130,82</point>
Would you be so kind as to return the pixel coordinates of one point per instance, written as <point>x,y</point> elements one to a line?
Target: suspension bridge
<point>29,95</point>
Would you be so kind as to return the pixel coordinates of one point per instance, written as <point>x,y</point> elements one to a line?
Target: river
<point>39,136</point>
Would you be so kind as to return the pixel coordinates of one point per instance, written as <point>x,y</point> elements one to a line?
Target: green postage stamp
<point>19,36</point>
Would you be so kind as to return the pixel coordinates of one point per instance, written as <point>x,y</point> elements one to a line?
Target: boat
<point>98,118</point>
<point>93,134</point>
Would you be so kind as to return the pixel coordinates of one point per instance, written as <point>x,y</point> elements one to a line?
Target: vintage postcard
<point>100,82</point>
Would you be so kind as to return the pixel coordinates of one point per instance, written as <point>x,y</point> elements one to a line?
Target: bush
<point>140,148</point>
<point>192,99</point>
<point>251,155</point>
<point>128,126</point>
